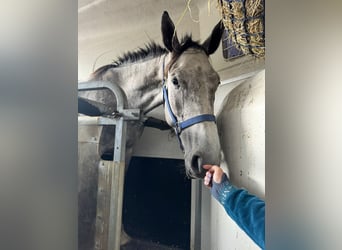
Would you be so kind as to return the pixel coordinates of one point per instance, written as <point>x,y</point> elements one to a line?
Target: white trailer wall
<point>241,123</point>
<point>240,108</point>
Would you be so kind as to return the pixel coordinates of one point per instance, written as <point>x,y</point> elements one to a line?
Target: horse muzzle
<point>202,146</point>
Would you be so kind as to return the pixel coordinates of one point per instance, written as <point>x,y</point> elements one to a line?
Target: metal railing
<point>111,174</point>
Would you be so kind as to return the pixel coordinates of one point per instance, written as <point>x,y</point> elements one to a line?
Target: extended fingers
<point>207,179</point>
<point>214,173</point>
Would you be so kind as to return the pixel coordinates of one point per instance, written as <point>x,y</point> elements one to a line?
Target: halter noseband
<point>177,125</point>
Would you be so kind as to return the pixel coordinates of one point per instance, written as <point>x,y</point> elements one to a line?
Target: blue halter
<point>180,126</point>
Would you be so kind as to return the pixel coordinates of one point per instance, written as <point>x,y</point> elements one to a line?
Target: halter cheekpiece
<point>179,126</point>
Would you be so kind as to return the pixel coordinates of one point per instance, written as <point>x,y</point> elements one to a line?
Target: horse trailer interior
<point>161,207</point>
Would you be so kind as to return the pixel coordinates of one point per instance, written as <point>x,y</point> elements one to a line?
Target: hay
<point>244,20</point>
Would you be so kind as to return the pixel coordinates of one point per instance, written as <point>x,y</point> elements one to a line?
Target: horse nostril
<point>196,164</point>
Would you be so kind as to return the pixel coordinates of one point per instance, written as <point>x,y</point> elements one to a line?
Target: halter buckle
<point>177,128</point>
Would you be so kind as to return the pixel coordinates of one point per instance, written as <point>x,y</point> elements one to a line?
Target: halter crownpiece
<point>179,126</point>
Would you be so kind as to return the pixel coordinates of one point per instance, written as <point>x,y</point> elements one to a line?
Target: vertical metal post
<point>117,184</point>
<point>196,215</point>
<point>111,174</point>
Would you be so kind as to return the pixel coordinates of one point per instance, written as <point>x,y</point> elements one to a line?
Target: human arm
<point>247,210</point>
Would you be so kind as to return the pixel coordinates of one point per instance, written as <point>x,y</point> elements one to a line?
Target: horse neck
<point>142,83</point>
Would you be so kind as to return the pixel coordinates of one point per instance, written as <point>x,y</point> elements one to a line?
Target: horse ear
<point>168,31</point>
<point>213,41</point>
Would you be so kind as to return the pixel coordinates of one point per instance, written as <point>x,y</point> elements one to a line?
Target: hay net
<point>244,21</point>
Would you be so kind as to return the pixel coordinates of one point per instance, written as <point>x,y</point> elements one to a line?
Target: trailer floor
<point>146,245</point>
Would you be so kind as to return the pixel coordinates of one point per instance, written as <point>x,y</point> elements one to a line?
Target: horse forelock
<point>187,43</point>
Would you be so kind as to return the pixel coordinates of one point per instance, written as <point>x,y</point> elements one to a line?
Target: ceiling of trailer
<point>107,28</point>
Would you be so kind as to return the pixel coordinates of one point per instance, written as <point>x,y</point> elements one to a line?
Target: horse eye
<point>175,81</point>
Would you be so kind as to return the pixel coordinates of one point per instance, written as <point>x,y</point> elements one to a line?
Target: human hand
<point>214,173</point>
<point>217,181</point>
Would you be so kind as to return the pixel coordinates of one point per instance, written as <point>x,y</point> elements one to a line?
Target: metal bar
<point>116,196</point>
<point>127,114</point>
<point>95,120</point>
<point>111,175</point>
<point>96,85</point>
<point>196,215</point>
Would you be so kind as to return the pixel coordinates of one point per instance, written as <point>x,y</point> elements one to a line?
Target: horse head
<point>190,83</point>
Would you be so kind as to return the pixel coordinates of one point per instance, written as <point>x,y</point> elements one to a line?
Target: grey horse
<point>181,77</point>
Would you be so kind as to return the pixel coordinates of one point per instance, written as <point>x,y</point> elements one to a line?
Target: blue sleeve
<point>248,211</point>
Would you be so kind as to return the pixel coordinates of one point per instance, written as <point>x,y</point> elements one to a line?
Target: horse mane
<point>151,49</point>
